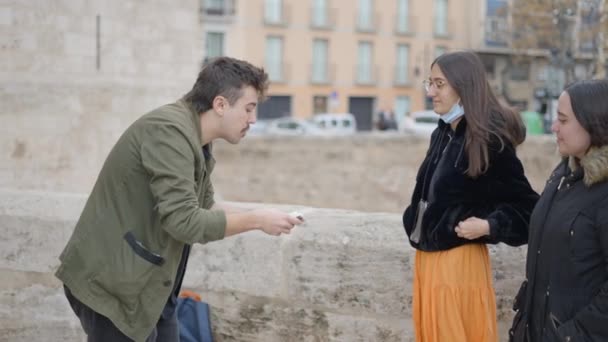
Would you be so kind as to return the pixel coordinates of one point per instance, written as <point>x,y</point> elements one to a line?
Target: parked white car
<point>336,123</point>
<point>291,126</point>
<point>258,128</point>
<point>421,122</point>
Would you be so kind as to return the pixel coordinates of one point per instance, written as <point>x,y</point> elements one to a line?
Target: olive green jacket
<point>151,198</point>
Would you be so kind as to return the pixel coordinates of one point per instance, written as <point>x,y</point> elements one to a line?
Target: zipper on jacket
<point>546,312</point>
<point>438,152</point>
<point>459,154</point>
<point>448,143</point>
<point>561,182</point>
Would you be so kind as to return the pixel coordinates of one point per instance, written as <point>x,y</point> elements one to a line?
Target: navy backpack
<point>194,320</point>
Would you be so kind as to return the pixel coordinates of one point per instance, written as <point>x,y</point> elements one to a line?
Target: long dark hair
<point>589,100</point>
<point>487,120</point>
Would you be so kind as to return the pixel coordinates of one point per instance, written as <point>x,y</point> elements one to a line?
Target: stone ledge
<point>343,276</point>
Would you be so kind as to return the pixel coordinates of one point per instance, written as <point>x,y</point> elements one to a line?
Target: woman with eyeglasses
<point>565,294</point>
<point>470,191</point>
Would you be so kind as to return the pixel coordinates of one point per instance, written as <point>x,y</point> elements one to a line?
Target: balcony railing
<point>325,22</point>
<point>322,77</point>
<point>212,11</point>
<point>366,75</point>
<point>282,19</point>
<point>278,73</point>
<point>367,26</point>
<point>497,31</point>
<point>443,31</point>
<point>405,27</point>
<point>403,76</point>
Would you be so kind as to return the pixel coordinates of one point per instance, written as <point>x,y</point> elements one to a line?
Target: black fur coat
<point>502,195</point>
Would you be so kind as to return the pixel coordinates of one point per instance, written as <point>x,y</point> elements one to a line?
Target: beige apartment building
<point>529,78</point>
<point>513,79</point>
<point>356,56</point>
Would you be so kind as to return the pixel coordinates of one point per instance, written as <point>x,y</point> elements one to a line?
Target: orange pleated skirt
<point>453,299</point>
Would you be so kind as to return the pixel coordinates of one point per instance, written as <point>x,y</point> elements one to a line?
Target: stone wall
<point>343,276</point>
<point>366,172</point>
<point>61,111</point>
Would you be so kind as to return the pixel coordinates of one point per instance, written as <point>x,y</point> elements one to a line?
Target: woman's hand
<point>472,228</point>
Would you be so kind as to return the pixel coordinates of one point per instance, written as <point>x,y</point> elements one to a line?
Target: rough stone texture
<point>366,172</point>
<point>32,311</point>
<point>343,276</point>
<point>60,112</point>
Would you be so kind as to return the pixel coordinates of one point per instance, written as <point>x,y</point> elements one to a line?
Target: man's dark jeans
<point>100,329</point>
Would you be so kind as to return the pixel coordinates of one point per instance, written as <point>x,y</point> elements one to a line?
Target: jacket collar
<point>461,128</point>
<point>196,122</point>
<point>195,117</point>
<point>594,165</point>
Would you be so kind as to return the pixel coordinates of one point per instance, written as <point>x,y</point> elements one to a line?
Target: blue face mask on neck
<point>455,112</point>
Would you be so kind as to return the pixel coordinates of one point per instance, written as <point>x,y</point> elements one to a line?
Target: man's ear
<point>219,104</point>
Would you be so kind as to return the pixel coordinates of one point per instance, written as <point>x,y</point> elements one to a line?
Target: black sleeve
<point>409,215</point>
<point>513,198</point>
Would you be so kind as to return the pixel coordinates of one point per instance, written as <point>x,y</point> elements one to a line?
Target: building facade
<point>531,73</point>
<point>338,55</point>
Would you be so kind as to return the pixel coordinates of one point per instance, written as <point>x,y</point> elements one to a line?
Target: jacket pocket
<point>142,251</point>
<point>127,270</point>
<point>582,237</point>
<point>551,334</point>
<point>555,321</point>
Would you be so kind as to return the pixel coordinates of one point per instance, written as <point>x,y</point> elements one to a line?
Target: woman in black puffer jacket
<point>565,296</point>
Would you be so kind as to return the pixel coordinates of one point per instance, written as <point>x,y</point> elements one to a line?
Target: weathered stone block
<point>250,263</point>
<point>245,318</point>
<point>6,16</point>
<point>335,262</point>
<point>31,243</point>
<point>37,313</point>
<point>342,276</point>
